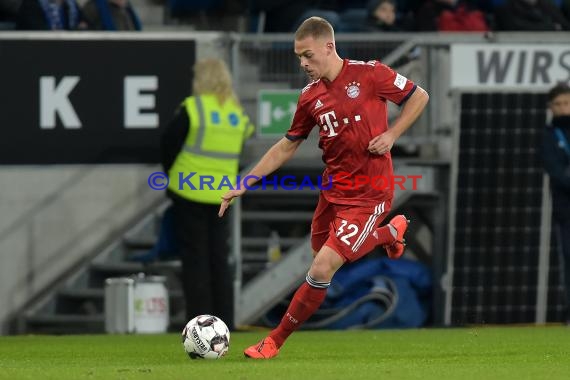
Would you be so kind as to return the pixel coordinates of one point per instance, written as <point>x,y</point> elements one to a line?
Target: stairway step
<point>280,192</point>
<point>97,293</point>
<point>118,267</point>
<point>261,242</point>
<point>280,203</point>
<point>251,268</point>
<point>134,267</point>
<point>99,272</point>
<point>82,293</point>
<point>254,257</point>
<point>280,216</point>
<point>62,319</point>
<point>81,324</point>
<point>139,244</point>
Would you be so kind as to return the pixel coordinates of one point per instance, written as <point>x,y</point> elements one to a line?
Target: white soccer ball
<point>206,337</point>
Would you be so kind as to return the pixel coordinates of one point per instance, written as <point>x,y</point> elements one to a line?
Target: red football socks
<point>305,302</point>
<point>309,297</point>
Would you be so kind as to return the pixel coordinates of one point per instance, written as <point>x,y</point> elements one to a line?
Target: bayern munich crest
<point>352,89</point>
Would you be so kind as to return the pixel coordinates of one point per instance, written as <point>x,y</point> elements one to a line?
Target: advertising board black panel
<point>89,101</point>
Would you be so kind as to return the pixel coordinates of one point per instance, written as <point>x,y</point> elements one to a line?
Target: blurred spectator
<point>450,16</point>
<point>382,15</point>
<point>111,15</point>
<point>535,15</point>
<point>332,16</point>
<point>8,10</point>
<point>286,15</point>
<point>50,15</point>
<point>280,15</point>
<point>556,160</point>
<point>565,8</point>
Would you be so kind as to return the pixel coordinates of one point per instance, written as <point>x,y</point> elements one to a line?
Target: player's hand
<point>381,144</point>
<point>227,199</point>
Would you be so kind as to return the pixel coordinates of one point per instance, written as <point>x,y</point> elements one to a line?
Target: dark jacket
<point>557,164</point>
<point>519,15</point>
<point>32,16</point>
<point>173,138</point>
<point>104,15</point>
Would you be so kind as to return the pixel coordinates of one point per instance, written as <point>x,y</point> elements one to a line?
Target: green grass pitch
<point>469,353</point>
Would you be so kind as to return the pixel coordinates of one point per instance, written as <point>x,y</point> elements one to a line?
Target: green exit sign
<point>276,109</point>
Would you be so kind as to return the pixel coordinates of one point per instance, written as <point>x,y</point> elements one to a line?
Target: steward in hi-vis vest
<point>207,165</point>
<point>200,149</point>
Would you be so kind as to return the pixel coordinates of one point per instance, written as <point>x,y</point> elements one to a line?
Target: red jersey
<point>350,111</point>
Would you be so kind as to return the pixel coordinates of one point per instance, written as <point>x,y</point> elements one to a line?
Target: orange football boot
<point>266,349</point>
<point>396,249</point>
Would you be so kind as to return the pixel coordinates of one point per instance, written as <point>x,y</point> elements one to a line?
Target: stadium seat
<point>182,7</point>
<point>353,20</point>
<point>331,16</point>
<point>5,25</point>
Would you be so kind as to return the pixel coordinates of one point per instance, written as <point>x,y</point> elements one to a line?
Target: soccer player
<point>347,100</point>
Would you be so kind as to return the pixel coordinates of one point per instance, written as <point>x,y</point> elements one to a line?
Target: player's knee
<point>322,270</point>
<point>325,264</point>
<point>320,273</point>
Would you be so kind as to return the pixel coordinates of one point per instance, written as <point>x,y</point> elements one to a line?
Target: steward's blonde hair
<point>212,76</point>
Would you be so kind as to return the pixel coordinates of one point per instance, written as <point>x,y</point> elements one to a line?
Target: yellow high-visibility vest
<point>211,150</point>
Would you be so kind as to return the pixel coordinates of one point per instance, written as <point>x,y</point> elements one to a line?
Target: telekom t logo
<point>329,122</point>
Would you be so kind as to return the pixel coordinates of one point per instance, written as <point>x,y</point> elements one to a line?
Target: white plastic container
<point>136,305</point>
<point>151,307</point>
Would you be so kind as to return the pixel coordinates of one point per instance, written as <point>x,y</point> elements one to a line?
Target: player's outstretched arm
<point>411,110</point>
<point>272,160</point>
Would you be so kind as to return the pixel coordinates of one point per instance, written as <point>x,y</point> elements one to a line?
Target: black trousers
<point>563,227</point>
<point>561,213</point>
<point>207,275</point>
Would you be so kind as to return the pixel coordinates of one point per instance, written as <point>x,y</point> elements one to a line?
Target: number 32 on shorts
<point>346,231</point>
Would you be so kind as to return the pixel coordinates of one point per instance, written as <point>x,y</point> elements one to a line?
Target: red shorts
<point>344,228</point>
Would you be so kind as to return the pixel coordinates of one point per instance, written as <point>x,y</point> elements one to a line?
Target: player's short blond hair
<point>316,27</point>
<point>212,76</point>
